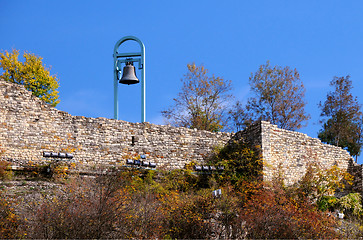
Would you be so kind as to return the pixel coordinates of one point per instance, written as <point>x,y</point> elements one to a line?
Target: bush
<point>9,221</point>
<point>5,172</point>
<point>85,208</point>
<point>132,204</point>
<point>351,204</point>
<point>242,163</point>
<point>272,214</point>
<point>327,203</point>
<point>180,180</point>
<point>318,182</point>
<point>189,217</point>
<point>228,223</point>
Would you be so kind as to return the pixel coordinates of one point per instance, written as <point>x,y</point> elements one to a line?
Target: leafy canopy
<point>342,123</point>
<point>31,73</point>
<point>278,98</point>
<point>202,101</point>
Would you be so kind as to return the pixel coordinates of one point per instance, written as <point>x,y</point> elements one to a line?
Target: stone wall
<point>290,153</point>
<point>28,127</point>
<point>357,171</point>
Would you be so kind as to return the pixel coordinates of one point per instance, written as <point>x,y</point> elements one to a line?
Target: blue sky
<point>321,39</point>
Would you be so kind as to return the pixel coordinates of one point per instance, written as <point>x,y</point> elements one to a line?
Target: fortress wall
<point>291,152</point>
<point>28,127</point>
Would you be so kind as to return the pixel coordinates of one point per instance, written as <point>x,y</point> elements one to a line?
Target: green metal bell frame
<point>120,58</point>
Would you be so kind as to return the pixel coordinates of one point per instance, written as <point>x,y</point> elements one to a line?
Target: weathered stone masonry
<point>28,127</point>
<point>292,151</point>
<point>289,153</point>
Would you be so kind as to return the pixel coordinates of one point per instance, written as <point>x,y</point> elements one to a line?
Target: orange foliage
<point>9,220</point>
<point>272,214</point>
<point>132,204</point>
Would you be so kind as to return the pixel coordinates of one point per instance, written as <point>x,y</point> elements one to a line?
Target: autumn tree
<point>278,98</point>
<point>31,73</point>
<point>342,117</point>
<point>202,101</point>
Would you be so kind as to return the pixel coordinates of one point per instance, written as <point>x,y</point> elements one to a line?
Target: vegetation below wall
<point>178,204</point>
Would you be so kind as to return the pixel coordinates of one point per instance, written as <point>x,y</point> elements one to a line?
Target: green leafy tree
<point>202,101</point>
<point>31,73</point>
<point>342,125</point>
<point>278,98</point>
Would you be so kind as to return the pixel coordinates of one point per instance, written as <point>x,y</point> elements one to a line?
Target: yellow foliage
<point>318,182</point>
<point>31,73</point>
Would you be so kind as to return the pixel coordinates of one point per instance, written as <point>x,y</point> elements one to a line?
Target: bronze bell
<point>129,74</point>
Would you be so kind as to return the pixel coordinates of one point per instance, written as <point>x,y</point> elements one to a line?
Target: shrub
<point>180,180</point>
<point>318,182</point>
<point>351,204</point>
<point>327,203</point>
<point>228,224</point>
<point>272,214</point>
<point>85,208</point>
<point>189,217</point>
<point>5,172</point>
<point>241,162</point>
<point>9,221</point>
<point>132,204</point>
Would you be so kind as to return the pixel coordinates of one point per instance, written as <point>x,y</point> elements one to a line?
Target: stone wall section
<point>290,153</point>
<point>357,171</point>
<point>28,127</point>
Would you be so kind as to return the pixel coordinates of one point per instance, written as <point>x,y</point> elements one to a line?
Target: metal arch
<point>127,38</point>
<point>140,57</point>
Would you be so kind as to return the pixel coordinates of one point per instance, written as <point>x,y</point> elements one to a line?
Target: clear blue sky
<point>321,39</point>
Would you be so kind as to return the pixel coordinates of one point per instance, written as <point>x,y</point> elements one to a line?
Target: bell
<point>129,75</point>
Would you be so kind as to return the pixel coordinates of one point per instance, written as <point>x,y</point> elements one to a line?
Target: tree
<point>202,101</point>
<point>343,127</point>
<point>278,98</point>
<point>31,73</point>
<point>239,118</point>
